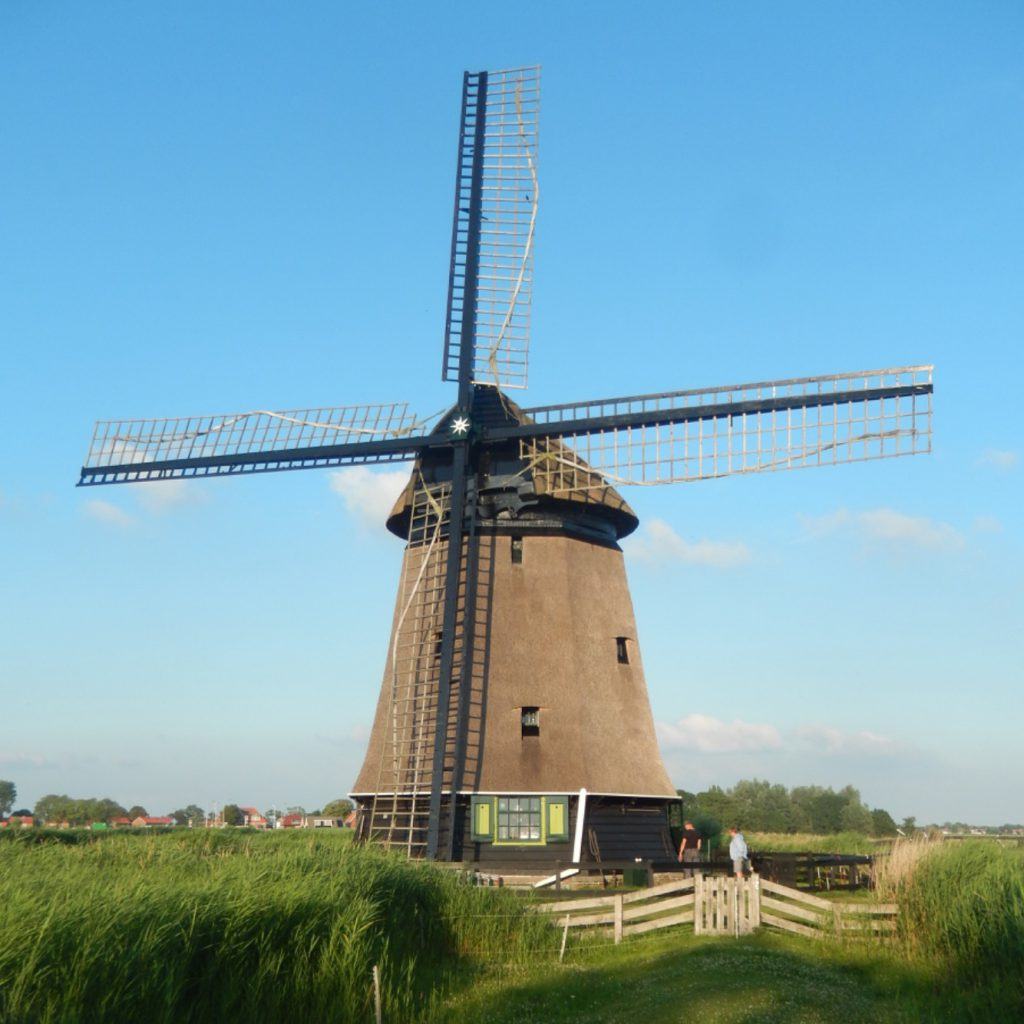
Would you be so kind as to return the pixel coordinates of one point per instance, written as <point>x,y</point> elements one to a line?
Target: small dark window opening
<point>531,721</point>
<point>517,550</point>
<point>622,649</point>
<point>438,642</point>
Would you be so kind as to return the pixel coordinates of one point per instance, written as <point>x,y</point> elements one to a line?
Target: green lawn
<point>678,977</point>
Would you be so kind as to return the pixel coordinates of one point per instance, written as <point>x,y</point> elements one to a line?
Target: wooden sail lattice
<point>751,428</point>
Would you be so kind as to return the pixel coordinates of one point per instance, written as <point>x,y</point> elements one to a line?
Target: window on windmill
<point>438,642</point>
<point>530,721</point>
<point>517,550</point>
<point>519,819</point>
<point>622,649</point>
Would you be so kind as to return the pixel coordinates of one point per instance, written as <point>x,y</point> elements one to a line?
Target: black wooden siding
<point>616,828</point>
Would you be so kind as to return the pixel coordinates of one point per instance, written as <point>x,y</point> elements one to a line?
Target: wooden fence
<point>716,905</point>
<point>802,913</point>
<point>645,910</point>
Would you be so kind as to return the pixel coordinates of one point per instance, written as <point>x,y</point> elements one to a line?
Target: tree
<point>53,807</point>
<point>189,815</point>
<point>8,794</point>
<point>107,809</point>
<point>762,807</point>
<point>233,815</point>
<point>909,826</point>
<point>337,808</point>
<point>855,817</point>
<point>137,811</point>
<point>714,803</point>
<point>882,823</point>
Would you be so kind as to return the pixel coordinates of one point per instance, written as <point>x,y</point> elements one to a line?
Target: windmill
<point>513,715</point>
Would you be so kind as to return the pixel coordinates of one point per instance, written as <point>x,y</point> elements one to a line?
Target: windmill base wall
<point>616,828</point>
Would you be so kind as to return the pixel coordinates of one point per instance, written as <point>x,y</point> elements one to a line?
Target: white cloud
<point>705,734</point>
<point>918,531</point>
<point>987,524</point>
<point>21,760</point>
<point>827,739</point>
<point>368,495</point>
<point>658,543</point>
<point>887,526</point>
<point>104,512</point>
<point>996,458</point>
<point>710,735</point>
<point>158,496</point>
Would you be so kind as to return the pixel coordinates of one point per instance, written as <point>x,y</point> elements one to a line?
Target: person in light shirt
<point>737,850</point>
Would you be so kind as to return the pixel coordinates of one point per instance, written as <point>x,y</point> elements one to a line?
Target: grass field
<point>224,926</point>
<point>803,842</point>
<point>675,977</point>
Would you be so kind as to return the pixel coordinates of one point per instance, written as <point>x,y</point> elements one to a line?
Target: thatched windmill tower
<point>513,725</point>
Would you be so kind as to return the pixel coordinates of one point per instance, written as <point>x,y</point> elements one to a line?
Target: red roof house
<point>290,821</point>
<point>253,818</point>
<point>141,822</point>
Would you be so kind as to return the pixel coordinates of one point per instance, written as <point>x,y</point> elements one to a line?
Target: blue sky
<point>221,207</point>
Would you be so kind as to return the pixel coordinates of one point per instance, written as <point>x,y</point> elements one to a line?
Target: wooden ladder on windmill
<point>464,740</point>
<point>399,814</point>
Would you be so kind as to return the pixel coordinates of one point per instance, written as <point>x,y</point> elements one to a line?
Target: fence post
<point>755,902</point>
<point>837,920</point>
<point>618,918</point>
<point>376,993</point>
<point>565,935</point>
<point>698,903</point>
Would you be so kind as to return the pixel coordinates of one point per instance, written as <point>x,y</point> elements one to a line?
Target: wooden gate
<point>725,905</point>
<point>722,905</point>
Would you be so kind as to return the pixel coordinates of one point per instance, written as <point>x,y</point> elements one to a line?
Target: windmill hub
<point>513,725</point>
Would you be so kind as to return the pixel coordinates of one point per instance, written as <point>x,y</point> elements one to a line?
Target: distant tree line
<point>60,808</point>
<point>761,806</point>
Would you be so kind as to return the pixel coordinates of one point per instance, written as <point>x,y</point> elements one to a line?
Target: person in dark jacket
<point>689,847</point>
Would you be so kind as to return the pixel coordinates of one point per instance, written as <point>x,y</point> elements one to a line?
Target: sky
<point>211,208</point>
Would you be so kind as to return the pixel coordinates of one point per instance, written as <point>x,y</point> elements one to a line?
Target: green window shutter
<point>482,820</point>
<point>558,818</point>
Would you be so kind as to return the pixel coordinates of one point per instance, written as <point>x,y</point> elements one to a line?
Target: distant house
<point>317,821</point>
<point>350,819</point>
<point>120,822</point>
<point>151,822</point>
<point>291,821</point>
<point>18,821</point>
<point>253,818</point>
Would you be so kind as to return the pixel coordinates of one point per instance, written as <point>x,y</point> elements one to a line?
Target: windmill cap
<point>595,500</point>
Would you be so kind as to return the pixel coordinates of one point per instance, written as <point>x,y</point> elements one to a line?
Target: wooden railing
<point>717,905</point>
<point>804,914</point>
<point>645,910</point>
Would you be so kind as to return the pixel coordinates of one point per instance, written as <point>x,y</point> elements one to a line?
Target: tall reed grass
<point>215,926</point>
<point>962,913</point>
<point>893,868</point>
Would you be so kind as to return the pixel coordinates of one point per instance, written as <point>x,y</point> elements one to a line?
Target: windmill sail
<point>487,329</point>
<point>750,428</point>
<point>127,451</point>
